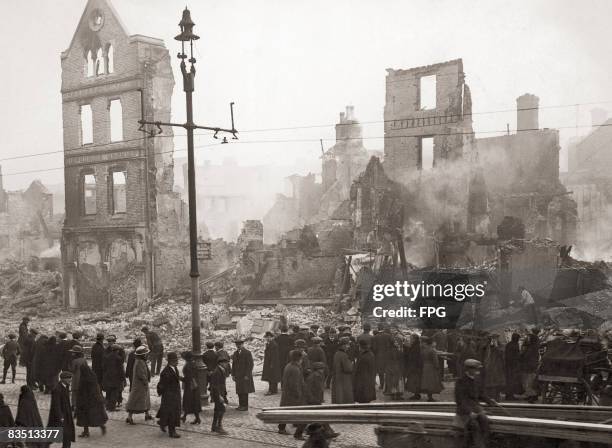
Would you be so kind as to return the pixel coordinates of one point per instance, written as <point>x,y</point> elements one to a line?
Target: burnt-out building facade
<point>120,208</point>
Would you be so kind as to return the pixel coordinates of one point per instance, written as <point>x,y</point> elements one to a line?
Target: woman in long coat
<point>394,383</point>
<point>342,371</point>
<point>430,377</point>
<point>169,388</point>
<point>90,402</point>
<point>494,370</point>
<point>38,361</point>
<point>139,400</point>
<point>512,360</point>
<point>191,389</point>
<point>28,415</point>
<point>413,367</point>
<point>365,374</point>
<point>271,372</point>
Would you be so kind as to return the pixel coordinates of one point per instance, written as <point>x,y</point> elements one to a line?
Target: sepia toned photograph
<point>324,223</point>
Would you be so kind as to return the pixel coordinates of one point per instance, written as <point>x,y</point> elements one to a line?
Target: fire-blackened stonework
<point>115,175</point>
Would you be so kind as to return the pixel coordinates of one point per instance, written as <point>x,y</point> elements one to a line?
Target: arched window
<point>99,62</point>
<point>110,58</point>
<point>89,64</point>
<point>116,120</point>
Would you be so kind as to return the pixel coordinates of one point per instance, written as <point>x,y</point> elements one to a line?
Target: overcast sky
<point>297,63</point>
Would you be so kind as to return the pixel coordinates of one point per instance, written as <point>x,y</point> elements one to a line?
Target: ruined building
<point>28,225</point>
<point>590,181</point>
<point>122,218</point>
<point>310,202</point>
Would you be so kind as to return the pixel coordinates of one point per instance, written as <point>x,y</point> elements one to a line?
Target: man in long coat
<point>60,411</point>
<point>383,343</point>
<point>512,359</point>
<point>314,391</point>
<point>342,374</point>
<point>113,377</point>
<point>494,369</point>
<point>21,340</point>
<point>97,357</point>
<point>242,374</point>
<point>330,344</point>
<point>365,374</point>
<point>78,359</point>
<point>90,402</point>
<point>169,388</point>
<point>218,392</point>
<point>28,357</point>
<point>209,357</point>
<point>38,371</point>
<point>271,364</point>
<point>293,389</point>
<point>285,345</point>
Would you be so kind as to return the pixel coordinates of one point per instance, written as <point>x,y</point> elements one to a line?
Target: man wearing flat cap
<point>242,374</point>
<point>469,392</point>
<point>271,364</point>
<point>60,411</point>
<point>218,391</point>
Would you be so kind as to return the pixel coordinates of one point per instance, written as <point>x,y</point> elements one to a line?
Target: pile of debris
<point>25,291</point>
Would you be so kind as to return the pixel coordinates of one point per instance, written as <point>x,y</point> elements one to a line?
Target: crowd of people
<point>303,361</point>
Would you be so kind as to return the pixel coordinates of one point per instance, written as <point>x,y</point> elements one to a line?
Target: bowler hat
<point>472,364</point>
<point>65,375</point>
<point>141,351</point>
<point>172,356</point>
<point>76,349</point>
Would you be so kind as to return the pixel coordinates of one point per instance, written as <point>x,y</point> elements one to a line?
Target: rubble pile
<point>24,291</point>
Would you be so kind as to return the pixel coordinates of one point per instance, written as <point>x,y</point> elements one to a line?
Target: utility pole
<point>186,25</point>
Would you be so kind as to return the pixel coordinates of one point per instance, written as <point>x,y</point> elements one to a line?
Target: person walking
<point>28,415</point>
<point>78,359</point>
<point>129,366</point>
<point>10,352</point>
<point>209,357</point>
<point>90,402</point>
<point>169,389</point>
<point>342,374</point>
<point>314,391</point>
<point>38,362</point>
<point>191,389</point>
<point>218,391</point>
<point>50,363</point>
<point>365,374</point>
<point>60,411</point>
<point>430,376</point>
<point>97,357</point>
<point>413,367</point>
<point>21,340</point>
<point>242,374</point>
<point>156,346</point>
<point>139,399</point>
<point>271,364</point>
<point>113,377</point>
<point>293,390</point>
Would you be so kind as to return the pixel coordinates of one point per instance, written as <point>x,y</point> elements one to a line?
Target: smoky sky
<point>289,63</point>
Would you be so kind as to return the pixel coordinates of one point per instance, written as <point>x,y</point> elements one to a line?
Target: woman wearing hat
<point>430,375</point>
<point>191,389</point>
<point>139,400</point>
<point>169,388</point>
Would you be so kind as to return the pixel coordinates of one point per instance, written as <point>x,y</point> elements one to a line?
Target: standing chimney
<point>527,112</point>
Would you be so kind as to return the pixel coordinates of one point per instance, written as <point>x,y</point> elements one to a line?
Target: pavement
<point>244,428</point>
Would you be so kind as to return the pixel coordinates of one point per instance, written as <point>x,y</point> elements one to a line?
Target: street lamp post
<point>187,36</point>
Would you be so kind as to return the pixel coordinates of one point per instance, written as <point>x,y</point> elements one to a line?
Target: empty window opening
<point>116,121</point>
<point>427,153</point>
<point>427,92</point>
<point>99,62</point>
<point>119,192</point>
<point>110,59</point>
<point>86,125</point>
<point>89,194</point>
<point>89,64</point>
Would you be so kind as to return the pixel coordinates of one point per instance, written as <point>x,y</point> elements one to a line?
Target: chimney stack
<point>527,112</point>
<point>349,113</point>
<point>342,117</point>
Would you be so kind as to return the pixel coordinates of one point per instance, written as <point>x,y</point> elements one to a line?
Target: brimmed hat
<point>142,350</point>
<point>172,356</point>
<point>268,334</point>
<point>115,347</point>
<point>239,341</point>
<point>316,340</point>
<point>62,335</point>
<point>111,337</point>
<point>144,329</point>
<point>76,349</point>
<point>65,375</point>
<point>12,336</point>
<point>344,340</point>
<point>187,355</point>
<point>472,364</point>
<point>218,344</point>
